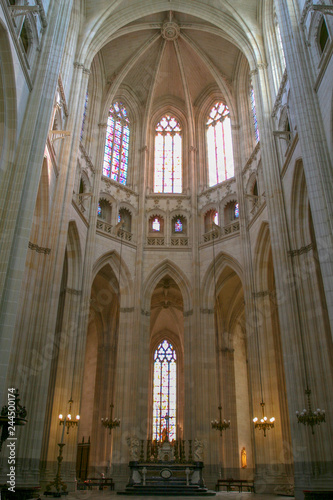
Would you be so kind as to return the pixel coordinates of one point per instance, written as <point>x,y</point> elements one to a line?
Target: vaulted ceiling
<point>172,54</point>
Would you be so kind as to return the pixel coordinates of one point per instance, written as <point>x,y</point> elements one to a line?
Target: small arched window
<point>125,217</point>
<point>156,224</point>
<point>231,212</point>
<point>164,392</point>
<point>117,144</point>
<point>211,218</point>
<point>168,156</point>
<point>104,210</point>
<point>219,144</point>
<point>179,225</point>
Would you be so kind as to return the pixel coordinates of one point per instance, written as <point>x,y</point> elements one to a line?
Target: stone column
<point>286,290</point>
<point>317,162</point>
<point>25,174</point>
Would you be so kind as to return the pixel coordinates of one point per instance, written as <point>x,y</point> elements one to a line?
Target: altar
<point>166,471</point>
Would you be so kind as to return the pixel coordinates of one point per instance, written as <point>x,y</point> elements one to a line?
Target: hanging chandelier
<point>220,425</point>
<point>109,422</point>
<point>309,417</point>
<point>263,424</point>
<point>67,420</point>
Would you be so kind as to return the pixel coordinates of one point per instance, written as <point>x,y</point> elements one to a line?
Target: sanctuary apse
<point>166,238</point>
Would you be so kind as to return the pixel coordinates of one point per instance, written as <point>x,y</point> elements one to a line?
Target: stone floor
<point>101,495</point>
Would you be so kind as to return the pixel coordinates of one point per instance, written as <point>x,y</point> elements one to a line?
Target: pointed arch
<point>262,256</point>
<point>299,209</point>
<point>222,260</point>
<point>117,264</point>
<point>74,257</point>
<point>160,271</point>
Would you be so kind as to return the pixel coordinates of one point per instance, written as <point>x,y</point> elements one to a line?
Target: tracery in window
<point>164,392</point>
<point>219,144</point>
<point>168,156</point>
<point>254,114</point>
<point>117,144</point>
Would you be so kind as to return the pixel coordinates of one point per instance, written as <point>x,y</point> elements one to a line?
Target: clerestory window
<point>168,156</point>
<point>117,144</point>
<point>219,144</point>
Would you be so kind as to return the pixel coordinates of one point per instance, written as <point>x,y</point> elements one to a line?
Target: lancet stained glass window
<point>254,113</point>
<point>219,144</point>
<point>117,144</point>
<point>168,156</point>
<point>164,392</point>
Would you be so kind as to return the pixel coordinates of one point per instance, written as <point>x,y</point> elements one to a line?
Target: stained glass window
<point>99,210</point>
<point>168,156</point>
<point>117,144</point>
<point>178,226</point>
<point>164,392</point>
<point>156,225</point>
<point>254,113</point>
<point>236,211</point>
<point>84,115</point>
<point>216,218</point>
<point>219,144</point>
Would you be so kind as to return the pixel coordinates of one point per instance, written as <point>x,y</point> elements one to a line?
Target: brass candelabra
<point>220,425</point>
<point>309,417</point>
<point>263,424</point>
<point>109,422</point>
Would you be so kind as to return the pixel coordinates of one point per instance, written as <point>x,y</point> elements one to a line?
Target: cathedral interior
<point>166,266</point>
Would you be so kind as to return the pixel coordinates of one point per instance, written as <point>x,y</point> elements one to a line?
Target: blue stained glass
<point>236,211</point>
<point>164,392</point>
<point>178,226</point>
<point>117,144</point>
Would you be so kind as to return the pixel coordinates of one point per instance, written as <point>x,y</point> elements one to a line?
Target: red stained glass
<point>164,393</point>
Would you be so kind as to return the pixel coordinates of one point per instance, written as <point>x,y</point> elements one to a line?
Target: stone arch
<point>74,257</point>
<point>116,264</point>
<point>262,251</point>
<point>165,268</point>
<point>299,209</point>
<point>39,227</point>
<point>222,260</point>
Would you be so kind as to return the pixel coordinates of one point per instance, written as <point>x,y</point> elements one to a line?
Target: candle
<point>63,432</point>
